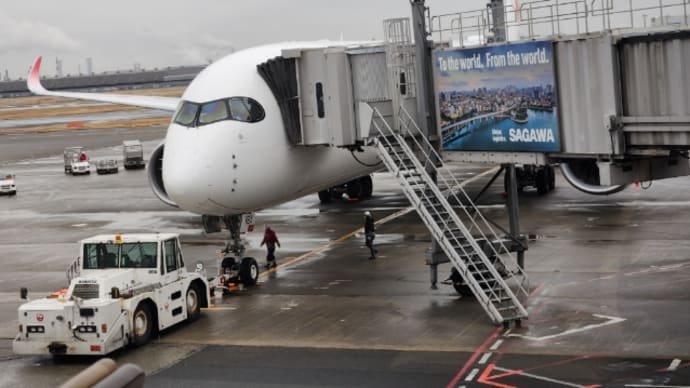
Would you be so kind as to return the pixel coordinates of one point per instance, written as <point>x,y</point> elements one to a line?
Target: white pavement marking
<point>484,358</point>
<point>656,386</point>
<point>473,373</point>
<point>674,364</point>
<point>611,321</point>
<point>496,344</point>
<point>79,225</point>
<point>542,378</point>
<point>213,308</point>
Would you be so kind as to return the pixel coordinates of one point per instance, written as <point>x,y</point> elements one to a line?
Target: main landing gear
<point>355,189</point>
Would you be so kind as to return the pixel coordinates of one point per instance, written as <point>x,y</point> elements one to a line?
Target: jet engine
<point>583,174</point>
<point>155,171</point>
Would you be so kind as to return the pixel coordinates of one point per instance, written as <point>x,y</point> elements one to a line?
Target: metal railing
<point>548,18</point>
<point>476,220</point>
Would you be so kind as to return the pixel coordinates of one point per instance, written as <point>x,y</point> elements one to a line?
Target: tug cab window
<point>101,256</point>
<point>171,263</point>
<point>139,255</point>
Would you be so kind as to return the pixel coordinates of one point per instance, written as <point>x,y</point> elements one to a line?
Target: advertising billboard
<point>497,98</point>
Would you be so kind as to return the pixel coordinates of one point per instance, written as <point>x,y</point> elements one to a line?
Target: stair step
<point>499,300</point>
<point>407,164</point>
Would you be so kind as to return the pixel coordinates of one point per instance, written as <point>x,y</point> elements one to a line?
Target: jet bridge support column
<point>425,101</point>
<point>497,10</point>
<point>518,243</point>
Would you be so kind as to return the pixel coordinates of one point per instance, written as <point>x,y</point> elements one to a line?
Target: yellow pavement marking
<point>347,236</point>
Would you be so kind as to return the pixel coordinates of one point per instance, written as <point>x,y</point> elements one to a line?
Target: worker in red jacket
<point>271,240</point>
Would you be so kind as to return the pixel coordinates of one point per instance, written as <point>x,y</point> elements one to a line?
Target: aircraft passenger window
<point>186,115</point>
<point>245,109</point>
<point>212,112</point>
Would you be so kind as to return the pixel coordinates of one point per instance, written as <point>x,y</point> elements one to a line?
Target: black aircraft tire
<point>143,324</point>
<point>367,186</point>
<point>325,196</point>
<point>228,262</point>
<point>541,181</point>
<point>193,302</point>
<point>249,271</point>
<point>463,289</point>
<point>354,189</point>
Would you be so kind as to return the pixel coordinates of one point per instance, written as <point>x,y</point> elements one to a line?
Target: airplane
<point>226,153</point>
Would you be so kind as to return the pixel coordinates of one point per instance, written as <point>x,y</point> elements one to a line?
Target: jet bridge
<point>611,104</point>
<point>618,95</point>
<point>366,95</point>
<point>327,93</point>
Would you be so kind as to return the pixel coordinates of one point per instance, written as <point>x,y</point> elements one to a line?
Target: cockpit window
<point>186,115</point>
<point>212,112</point>
<point>245,109</point>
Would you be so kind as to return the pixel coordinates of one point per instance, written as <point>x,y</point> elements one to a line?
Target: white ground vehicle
<point>126,288</point>
<point>107,166</point>
<point>76,161</point>
<point>7,184</point>
<point>133,154</point>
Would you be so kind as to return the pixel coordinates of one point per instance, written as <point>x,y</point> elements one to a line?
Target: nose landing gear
<point>234,269</point>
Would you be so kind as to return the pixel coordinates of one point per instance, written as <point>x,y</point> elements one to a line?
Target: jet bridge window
<point>186,114</point>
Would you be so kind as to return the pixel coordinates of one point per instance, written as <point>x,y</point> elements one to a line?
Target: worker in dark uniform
<point>271,240</point>
<point>369,234</point>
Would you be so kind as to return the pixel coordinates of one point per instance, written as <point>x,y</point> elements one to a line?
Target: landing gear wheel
<point>325,196</point>
<point>228,265</point>
<point>367,186</point>
<point>518,173</point>
<point>551,175</point>
<point>354,189</point>
<point>462,289</point>
<point>193,300</point>
<point>541,181</point>
<point>249,271</point>
<point>143,324</point>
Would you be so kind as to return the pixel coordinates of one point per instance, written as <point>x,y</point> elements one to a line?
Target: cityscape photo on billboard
<point>498,98</point>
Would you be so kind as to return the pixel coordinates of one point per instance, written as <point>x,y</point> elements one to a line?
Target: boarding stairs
<point>482,259</point>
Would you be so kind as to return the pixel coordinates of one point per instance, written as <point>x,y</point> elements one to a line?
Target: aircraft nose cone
<point>190,177</point>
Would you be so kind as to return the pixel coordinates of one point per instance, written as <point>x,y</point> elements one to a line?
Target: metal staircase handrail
<point>473,278</point>
<point>451,182</point>
<point>427,217</point>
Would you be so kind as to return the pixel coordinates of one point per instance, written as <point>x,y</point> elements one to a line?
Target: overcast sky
<point>158,33</point>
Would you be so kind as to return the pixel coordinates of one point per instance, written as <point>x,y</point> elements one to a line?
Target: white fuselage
<point>232,167</point>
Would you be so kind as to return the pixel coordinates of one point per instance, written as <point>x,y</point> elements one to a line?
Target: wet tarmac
<point>609,305</point>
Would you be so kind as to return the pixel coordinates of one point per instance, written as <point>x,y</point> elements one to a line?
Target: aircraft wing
<point>163,103</point>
